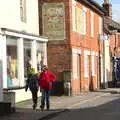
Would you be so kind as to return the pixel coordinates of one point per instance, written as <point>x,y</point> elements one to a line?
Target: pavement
<point>58,105</point>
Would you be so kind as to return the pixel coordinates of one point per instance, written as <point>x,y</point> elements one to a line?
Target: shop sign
<point>53,19</point>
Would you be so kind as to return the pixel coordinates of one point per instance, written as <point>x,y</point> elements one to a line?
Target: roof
<point>110,25</point>
<point>93,5</point>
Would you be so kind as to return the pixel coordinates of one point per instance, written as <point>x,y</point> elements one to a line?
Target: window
<point>23,10</point>
<point>76,66</point>
<point>27,57</point>
<point>92,24</point>
<point>79,23</point>
<point>81,20</point>
<point>73,18</point>
<point>93,65</point>
<point>40,56</point>
<point>100,25</point>
<point>12,74</point>
<point>84,13</point>
<point>86,66</point>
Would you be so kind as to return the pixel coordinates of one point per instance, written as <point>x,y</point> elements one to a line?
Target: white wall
<point>10,15</point>
<point>21,95</point>
<point>107,60</point>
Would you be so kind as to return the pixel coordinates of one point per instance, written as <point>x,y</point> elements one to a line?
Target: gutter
<point>94,5</point>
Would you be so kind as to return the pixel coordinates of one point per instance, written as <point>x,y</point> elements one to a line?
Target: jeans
<point>45,97</point>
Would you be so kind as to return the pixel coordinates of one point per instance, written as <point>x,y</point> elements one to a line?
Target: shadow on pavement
<point>30,114</point>
<point>107,111</point>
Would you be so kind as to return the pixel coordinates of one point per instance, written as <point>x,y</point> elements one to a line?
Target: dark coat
<point>32,83</point>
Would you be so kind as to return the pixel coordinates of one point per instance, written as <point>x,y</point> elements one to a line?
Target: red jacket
<point>46,79</point>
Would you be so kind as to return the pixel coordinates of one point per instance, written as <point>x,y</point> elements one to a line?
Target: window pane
<point>40,56</point>
<point>12,78</point>
<point>27,57</point>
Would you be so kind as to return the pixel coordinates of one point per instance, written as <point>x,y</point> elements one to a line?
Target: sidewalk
<point>58,105</point>
<point>110,90</point>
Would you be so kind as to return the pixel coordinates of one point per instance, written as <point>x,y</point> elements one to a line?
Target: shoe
<point>42,108</point>
<point>34,106</point>
<point>48,108</point>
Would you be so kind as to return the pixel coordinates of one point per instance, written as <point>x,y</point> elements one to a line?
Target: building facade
<point>21,46</point>
<point>111,29</point>
<point>73,29</point>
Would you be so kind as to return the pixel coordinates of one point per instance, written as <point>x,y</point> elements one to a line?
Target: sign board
<point>53,19</point>
<point>1,82</point>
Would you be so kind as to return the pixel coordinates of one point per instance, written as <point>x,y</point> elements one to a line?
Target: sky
<point>115,8</point>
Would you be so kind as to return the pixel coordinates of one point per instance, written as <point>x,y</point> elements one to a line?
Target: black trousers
<point>34,96</point>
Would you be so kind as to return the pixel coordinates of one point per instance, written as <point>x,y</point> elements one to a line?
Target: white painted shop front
<point>17,52</point>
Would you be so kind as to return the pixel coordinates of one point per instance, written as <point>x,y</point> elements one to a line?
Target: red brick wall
<point>59,52</point>
<point>59,56</point>
<point>115,43</point>
<point>114,49</point>
<point>86,43</point>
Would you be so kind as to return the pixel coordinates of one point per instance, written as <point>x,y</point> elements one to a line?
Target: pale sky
<point>115,7</point>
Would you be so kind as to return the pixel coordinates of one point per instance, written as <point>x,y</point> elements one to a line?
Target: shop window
<point>40,56</point>
<point>27,58</point>
<point>12,78</point>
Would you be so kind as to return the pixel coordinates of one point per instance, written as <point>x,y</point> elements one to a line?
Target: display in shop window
<point>12,72</point>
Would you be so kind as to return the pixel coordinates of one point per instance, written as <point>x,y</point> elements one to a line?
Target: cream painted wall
<point>107,60</point>
<point>10,16</point>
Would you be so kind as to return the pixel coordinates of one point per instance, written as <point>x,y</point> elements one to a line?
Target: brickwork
<point>60,51</point>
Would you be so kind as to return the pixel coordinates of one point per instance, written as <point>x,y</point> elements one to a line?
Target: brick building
<point>112,30</point>
<point>73,28</point>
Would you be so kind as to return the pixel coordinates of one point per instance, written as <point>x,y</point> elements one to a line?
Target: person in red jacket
<point>45,82</point>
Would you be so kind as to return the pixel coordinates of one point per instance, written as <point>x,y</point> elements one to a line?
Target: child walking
<point>32,84</point>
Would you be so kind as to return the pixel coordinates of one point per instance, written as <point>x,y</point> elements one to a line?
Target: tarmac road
<point>106,107</point>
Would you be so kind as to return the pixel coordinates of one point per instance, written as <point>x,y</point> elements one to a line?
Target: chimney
<point>108,7</point>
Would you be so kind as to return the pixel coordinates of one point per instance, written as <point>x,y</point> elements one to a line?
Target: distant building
<point>112,46</point>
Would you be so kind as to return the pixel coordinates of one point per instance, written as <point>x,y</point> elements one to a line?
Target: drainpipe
<point>115,45</point>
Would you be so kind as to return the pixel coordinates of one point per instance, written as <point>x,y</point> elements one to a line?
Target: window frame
<point>92,23</point>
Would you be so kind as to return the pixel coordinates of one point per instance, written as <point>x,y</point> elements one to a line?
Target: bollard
<point>68,89</point>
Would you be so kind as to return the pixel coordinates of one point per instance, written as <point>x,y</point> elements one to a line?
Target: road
<point>106,107</point>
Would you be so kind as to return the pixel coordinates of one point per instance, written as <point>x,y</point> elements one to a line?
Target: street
<point>106,107</point>
<point>100,105</point>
